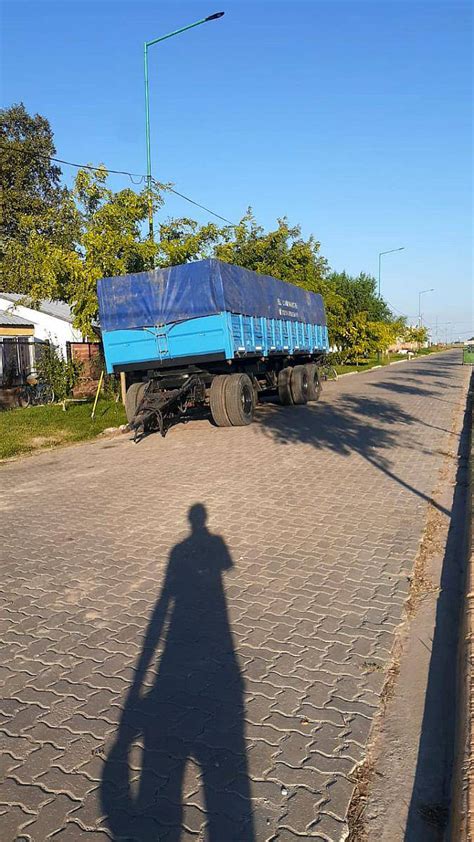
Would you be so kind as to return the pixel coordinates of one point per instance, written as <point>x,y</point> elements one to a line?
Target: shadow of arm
<point>151,640</point>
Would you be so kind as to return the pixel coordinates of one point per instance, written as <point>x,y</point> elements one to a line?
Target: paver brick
<point>51,818</point>
<point>17,747</point>
<point>37,763</point>
<point>7,763</point>
<point>44,733</point>
<point>250,678</point>
<point>11,823</point>
<point>23,719</point>
<point>29,798</point>
<point>300,810</point>
<point>330,827</point>
<point>73,784</point>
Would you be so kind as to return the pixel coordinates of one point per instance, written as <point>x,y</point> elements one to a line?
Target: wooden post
<point>97,393</point>
<point>123,385</point>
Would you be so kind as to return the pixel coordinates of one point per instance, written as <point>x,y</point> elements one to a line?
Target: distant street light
<point>390,251</point>
<point>215,16</point>
<point>422,292</point>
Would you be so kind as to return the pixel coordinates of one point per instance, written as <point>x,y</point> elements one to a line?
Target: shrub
<point>60,374</point>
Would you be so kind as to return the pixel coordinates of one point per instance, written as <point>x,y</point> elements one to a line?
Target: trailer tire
<point>299,384</point>
<point>239,400</point>
<point>217,400</point>
<point>284,386</point>
<point>133,398</point>
<point>314,382</point>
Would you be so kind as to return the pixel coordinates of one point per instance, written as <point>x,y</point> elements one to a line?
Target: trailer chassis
<point>159,409</point>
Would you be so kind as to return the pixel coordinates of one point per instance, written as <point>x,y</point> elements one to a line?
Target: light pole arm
<point>147,106</point>
<point>176,32</point>
<point>381,253</point>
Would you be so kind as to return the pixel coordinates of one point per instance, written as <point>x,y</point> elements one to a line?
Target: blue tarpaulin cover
<point>203,288</point>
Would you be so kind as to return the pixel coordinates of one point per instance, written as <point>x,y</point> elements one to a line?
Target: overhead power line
<point>142,178</point>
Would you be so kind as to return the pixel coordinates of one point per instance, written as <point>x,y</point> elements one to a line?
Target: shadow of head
<point>197,516</point>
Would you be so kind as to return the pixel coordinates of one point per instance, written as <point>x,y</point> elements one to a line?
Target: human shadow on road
<point>190,713</point>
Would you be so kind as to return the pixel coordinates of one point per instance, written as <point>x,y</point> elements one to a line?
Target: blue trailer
<point>212,333</point>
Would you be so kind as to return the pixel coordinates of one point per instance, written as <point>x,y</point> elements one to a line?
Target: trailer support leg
<point>123,385</point>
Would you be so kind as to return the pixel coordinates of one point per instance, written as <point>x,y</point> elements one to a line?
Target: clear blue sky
<point>352,118</point>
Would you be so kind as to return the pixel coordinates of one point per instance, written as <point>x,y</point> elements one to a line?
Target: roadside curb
<point>413,741</point>
<point>462,813</point>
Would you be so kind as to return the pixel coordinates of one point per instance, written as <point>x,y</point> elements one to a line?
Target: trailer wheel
<point>239,400</point>
<point>133,398</point>
<point>299,384</point>
<point>314,381</point>
<point>217,400</point>
<point>284,386</point>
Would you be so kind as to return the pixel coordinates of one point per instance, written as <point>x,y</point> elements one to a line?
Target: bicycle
<point>328,372</point>
<point>35,393</point>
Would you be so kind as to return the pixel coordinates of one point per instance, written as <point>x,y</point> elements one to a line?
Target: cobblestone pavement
<point>194,629</point>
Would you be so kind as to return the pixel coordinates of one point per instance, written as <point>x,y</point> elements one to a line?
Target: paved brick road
<point>193,628</point>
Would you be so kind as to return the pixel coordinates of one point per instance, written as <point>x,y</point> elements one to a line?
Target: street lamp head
<point>215,16</point>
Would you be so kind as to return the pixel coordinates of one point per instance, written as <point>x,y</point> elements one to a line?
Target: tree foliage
<point>363,323</point>
<point>182,240</point>
<point>56,243</point>
<point>110,240</point>
<point>360,295</point>
<point>32,194</point>
<point>282,253</point>
<point>417,335</point>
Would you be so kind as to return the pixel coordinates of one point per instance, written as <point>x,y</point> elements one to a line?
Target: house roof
<point>58,309</point>
<point>10,320</point>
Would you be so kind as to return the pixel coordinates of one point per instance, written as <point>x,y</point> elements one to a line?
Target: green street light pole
<point>390,251</point>
<point>147,107</point>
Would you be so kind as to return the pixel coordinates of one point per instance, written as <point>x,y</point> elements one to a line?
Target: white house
<point>23,329</point>
<point>51,321</point>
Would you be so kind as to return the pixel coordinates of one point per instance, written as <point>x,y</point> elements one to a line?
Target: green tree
<point>381,335</point>
<point>182,240</point>
<point>282,253</point>
<point>361,322</point>
<point>32,196</point>
<point>57,243</point>
<point>111,239</point>
<point>360,296</point>
<point>106,239</point>
<point>417,335</point>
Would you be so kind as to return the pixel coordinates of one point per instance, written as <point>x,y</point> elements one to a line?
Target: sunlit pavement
<point>194,629</point>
